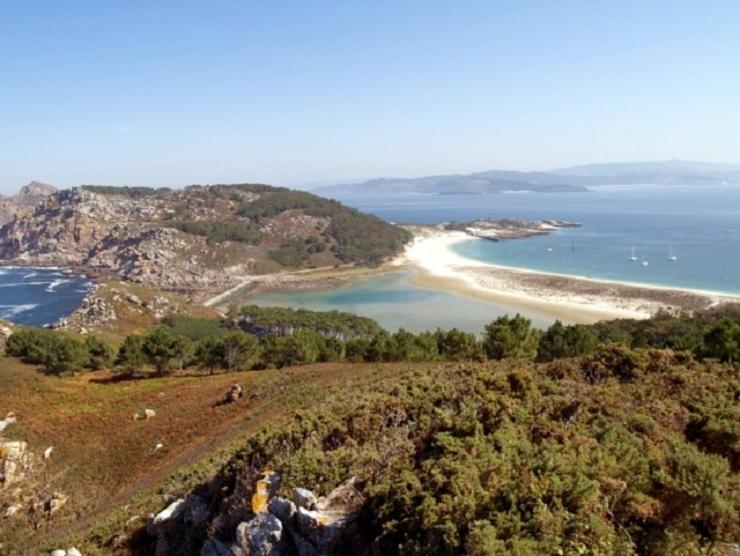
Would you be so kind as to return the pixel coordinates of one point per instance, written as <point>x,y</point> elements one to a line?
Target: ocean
<point>699,226</point>
<point>39,296</point>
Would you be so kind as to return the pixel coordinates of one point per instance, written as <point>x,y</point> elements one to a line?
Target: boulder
<point>282,508</point>
<point>11,510</point>
<point>158,524</point>
<point>266,487</point>
<point>214,547</point>
<point>196,510</point>
<point>15,460</point>
<point>261,536</point>
<point>345,498</point>
<point>9,420</point>
<point>54,503</point>
<point>314,531</point>
<point>304,498</point>
<point>72,551</point>
<point>144,414</point>
<point>233,394</point>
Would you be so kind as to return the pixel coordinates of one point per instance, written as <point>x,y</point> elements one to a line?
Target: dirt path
<point>309,278</point>
<point>103,458</point>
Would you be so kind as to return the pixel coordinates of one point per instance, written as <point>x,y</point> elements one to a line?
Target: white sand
<point>569,298</point>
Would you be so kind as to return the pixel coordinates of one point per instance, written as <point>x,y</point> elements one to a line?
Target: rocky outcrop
<point>497,230</point>
<point>15,460</point>
<point>144,414</point>
<point>306,525</point>
<point>27,198</point>
<point>198,241</point>
<point>23,494</point>
<point>233,394</point>
<point>110,235</point>
<point>303,524</point>
<point>68,552</point>
<point>111,306</point>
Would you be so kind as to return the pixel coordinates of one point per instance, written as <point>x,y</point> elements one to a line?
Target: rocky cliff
<point>198,240</point>
<point>27,198</point>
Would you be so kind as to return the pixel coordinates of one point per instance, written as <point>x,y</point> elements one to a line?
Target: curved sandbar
<point>572,299</point>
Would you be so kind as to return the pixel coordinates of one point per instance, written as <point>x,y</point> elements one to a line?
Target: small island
<point>508,228</point>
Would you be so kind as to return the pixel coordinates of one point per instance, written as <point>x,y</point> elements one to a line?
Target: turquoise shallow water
<point>397,303</point>
<point>701,226</point>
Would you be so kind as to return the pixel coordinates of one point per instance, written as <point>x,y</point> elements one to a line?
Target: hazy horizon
<point>293,94</point>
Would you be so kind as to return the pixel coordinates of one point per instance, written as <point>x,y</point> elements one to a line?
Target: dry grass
<point>131,318</point>
<point>103,459</point>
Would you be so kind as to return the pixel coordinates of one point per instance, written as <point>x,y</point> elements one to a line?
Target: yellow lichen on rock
<point>263,490</point>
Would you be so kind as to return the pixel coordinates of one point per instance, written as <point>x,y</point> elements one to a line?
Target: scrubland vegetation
<point>619,452</point>
<point>255,337</point>
<point>253,215</point>
<point>616,438</point>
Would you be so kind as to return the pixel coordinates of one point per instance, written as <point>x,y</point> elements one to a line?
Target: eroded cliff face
<point>111,235</point>
<point>24,201</point>
<point>197,241</point>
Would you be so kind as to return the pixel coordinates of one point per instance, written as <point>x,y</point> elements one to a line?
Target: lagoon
<point>700,225</point>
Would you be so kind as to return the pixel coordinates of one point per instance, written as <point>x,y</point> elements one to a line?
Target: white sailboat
<point>633,258</point>
<point>671,256</point>
<point>644,262</point>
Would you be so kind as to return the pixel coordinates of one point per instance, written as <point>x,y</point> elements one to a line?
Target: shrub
<point>511,338</point>
<point>131,356</point>
<point>561,341</point>
<point>163,350</point>
<point>209,354</point>
<point>219,232</point>
<point>99,353</point>
<point>456,345</point>
<point>723,341</point>
<point>56,352</point>
<point>241,350</point>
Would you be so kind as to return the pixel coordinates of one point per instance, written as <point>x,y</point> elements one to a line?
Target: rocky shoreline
<point>501,229</point>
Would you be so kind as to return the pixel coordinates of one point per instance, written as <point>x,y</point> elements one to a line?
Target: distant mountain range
<point>565,180</point>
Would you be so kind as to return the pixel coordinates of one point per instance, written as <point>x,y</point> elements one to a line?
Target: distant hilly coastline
<point>198,241</point>
<point>565,180</point>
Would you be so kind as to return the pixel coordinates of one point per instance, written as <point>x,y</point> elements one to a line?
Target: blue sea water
<point>700,225</point>
<point>39,296</point>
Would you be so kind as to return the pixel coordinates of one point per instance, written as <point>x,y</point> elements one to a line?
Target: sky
<point>296,93</point>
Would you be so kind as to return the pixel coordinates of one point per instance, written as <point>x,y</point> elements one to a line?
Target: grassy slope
<point>102,458</point>
<point>625,422</point>
<point>137,319</point>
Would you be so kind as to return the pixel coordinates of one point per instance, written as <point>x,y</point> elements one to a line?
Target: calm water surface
<point>700,226</point>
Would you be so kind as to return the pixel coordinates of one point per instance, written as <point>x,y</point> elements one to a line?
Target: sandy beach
<point>569,298</point>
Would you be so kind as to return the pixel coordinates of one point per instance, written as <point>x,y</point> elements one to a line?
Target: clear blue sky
<point>172,93</point>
